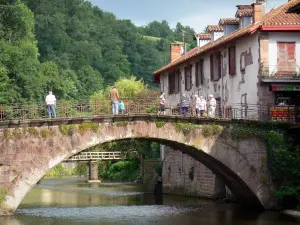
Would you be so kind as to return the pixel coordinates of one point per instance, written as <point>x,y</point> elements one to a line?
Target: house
<point>251,59</point>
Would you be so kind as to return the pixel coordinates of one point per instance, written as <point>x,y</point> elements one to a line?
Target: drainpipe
<point>222,94</point>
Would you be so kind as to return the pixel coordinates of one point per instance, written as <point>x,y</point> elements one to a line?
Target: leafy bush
<point>123,171</point>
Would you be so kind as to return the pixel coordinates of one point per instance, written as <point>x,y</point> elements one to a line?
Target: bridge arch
<point>26,157</point>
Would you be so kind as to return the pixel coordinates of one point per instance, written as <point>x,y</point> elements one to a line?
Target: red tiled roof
<point>229,21</point>
<point>244,10</point>
<point>282,16</point>
<point>279,16</point>
<point>215,28</point>
<point>204,36</point>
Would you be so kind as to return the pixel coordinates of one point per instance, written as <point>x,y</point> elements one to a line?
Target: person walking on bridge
<point>114,98</point>
<point>185,104</point>
<point>51,103</point>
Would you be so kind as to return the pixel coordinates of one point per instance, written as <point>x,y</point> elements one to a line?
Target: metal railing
<point>286,70</point>
<point>88,156</point>
<point>145,106</point>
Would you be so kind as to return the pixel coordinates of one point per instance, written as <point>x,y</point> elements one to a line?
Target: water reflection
<point>72,201</point>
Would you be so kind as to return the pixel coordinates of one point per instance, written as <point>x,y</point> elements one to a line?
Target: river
<point>72,201</point>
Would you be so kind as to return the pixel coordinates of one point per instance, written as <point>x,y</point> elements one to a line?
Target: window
<point>188,77</point>
<point>286,56</point>
<point>215,66</point>
<point>232,61</point>
<point>174,82</point>
<point>199,75</point>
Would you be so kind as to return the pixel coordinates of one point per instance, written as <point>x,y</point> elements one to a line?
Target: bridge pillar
<point>93,172</point>
<point>220,187</point>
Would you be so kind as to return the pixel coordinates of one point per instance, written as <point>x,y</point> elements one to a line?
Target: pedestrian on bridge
<point>162,104</point>
<point>212,103</point>
<point>51,103</point>
<point>185,104</point>
<point>114,98</point>
<point>122,107</point>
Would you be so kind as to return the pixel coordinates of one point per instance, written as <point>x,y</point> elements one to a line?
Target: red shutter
<point>197,74</point>
<point>291,51</point>
<point>211,67</point>
<point>281,56</point>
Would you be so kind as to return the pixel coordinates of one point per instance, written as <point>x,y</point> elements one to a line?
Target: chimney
<point>258,11</point>
<point>175,51</point>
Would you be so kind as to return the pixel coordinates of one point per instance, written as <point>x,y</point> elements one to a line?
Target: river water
<point>72,201</point>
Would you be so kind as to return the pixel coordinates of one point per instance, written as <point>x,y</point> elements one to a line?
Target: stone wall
<point>149,175</point>
<point>183,175</point>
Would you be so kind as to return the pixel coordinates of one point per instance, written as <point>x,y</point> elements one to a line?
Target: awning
<point>285,87</point>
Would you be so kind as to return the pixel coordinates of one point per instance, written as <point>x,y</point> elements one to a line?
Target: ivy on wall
<point>283,160</point>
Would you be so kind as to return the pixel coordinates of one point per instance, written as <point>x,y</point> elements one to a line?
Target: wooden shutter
<point>291,51</point>
<point>232,61</point>
<point>197,74</point>
<point>211,67</point>
<point>185,77</point>
<point>286,59</point>
<point>219,66</point>
<point>201,72</point>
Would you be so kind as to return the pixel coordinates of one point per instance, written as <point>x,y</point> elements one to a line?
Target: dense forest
<point>75,49</point>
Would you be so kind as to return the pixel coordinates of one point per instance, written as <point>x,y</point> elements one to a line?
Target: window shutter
<point>232,61</point>
<point>211,67</point>
<point>291,51</point>
<point>282,54</point>
<point>185,77</point>
<point>191,81</point>
<point>201,72</point>
<point>197,74</point>
<point>219,66</point>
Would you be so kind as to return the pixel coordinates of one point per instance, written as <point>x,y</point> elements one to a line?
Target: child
<point>122,107</point>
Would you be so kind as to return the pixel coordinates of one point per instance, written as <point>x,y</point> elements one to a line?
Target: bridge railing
<point>88,156</point>
<point>147,106</point>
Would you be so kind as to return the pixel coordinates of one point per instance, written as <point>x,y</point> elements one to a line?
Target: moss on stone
<point>68,129</point>
<point>84,127</point>
<point>185,128</point>
<point>3,193</point>
<point>33,131</point>
<point>7,134</point>
<point>45,133</point>
<point>121,123</point>
<point>17,133</point>
<point>212,130</point>
<point>160,124</point>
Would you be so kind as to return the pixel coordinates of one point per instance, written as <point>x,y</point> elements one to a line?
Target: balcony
<point>283,72</point>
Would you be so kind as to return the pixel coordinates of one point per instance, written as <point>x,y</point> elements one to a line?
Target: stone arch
<point>27,158</point>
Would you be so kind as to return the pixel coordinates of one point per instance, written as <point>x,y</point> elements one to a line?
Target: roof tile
<point>204,36</point>
<point>215,28</point>
<point>229,21</point>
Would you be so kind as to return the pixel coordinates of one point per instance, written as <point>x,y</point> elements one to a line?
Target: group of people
<point>118,106</point>
<point>199,104</point>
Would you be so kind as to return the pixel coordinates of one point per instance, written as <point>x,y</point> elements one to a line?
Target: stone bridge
<point>29,149</point>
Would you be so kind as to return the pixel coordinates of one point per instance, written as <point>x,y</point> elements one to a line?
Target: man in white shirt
<point>51,102</point>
